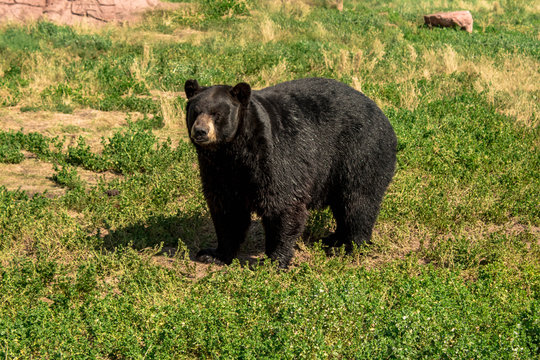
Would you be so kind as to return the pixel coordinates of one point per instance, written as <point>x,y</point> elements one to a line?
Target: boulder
<point>463,19</point>
<point>73,11</point>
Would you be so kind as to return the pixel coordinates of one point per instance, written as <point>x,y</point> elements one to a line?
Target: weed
<point>82,155</point>
<point>10,149</point>
<point>68,177</point>
<point>219,8</point>
<point>30,108</point>
<point>44,147</point>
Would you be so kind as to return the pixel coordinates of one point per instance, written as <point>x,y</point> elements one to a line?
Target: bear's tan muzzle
<point>203,131</point>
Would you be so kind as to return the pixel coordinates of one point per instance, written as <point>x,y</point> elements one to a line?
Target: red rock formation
<point>463,19</point>
<point>72,11</point>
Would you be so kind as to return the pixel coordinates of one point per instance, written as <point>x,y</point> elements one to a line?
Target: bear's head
<point>214,114</point>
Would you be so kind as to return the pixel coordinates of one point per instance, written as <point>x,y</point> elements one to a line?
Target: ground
<point>96,255</point>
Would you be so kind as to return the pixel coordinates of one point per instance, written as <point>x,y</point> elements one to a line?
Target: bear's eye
<point>217,118</point>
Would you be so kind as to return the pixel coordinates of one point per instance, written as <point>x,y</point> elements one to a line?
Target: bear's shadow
<point>196,232</point>
<point>168,232</point>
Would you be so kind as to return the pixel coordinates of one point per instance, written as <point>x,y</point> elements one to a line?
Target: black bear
<point>280,151</point>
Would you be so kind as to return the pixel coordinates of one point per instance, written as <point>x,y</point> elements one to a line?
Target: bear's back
<point>325,107</point>
<point>316,87</point>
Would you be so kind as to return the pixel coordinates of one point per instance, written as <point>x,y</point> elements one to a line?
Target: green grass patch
<point>251,313</point>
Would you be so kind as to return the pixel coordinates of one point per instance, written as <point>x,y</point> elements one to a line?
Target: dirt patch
<point>92,124</point>
<point>192,269</point>
<point>386,247</point>
<point>35,176</point>
<point>32,176</point>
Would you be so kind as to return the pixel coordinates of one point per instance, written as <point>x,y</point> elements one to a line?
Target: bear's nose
<point>200,132</point>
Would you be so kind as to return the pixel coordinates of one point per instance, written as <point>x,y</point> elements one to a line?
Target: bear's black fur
<point>279,151</point>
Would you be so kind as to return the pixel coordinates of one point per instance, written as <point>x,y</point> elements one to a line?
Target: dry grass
<point>409,95</point>
<point>357,83</point>
<point>93,124</point>
<point>273,75</point>
<point>391,241</point>
<point>32,176</point>
<point>173,117</point>
<point>142,66</point>
<point>44,71</point>
<point>511,86</point>
<point>298,9</point>
<point>180,35</point>
<point>352,61</point>
<point>511,83</point>
<point>440,61</point>
<point>319,31</point>
<point>376,54</point>
<point>267,30</point>
<point>173,113</point>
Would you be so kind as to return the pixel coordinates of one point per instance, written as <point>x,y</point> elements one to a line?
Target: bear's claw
<point>210,256</point>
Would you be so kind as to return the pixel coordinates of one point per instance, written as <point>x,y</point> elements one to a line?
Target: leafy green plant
<point>82,155</point>
<point>219,8</point>
<point>131,150</point>
<point>10,149</point>
<point>30,108</point>
<point>10,155</point>
<point>68,177</point>
<point>44,147</point>
<point>319,224</point>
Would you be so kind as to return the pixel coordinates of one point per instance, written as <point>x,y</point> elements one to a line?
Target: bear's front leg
<point>231,224</point>
<point>281,231</point>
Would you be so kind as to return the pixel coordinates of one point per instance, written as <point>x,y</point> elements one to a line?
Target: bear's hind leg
<point>355,218</point>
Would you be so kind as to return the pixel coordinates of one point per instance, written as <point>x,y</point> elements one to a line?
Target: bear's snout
<point>203,131</point>
<point>200,133</point>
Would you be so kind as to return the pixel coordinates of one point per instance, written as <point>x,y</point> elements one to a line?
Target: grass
<point>96,255</point>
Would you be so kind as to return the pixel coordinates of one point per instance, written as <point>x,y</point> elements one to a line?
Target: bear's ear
<point>242,93</point>
<point>191,87</point>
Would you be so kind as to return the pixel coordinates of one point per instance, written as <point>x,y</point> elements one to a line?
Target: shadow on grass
<point>194,231</point>
<point>172,233</point>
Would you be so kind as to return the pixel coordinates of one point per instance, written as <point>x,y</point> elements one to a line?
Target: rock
<point>463,19</point>
<point>74,11</point>
<point>38,3</point>
<point>112,192</point>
